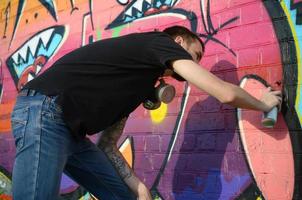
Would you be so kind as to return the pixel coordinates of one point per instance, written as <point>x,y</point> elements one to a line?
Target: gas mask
<point>163,93</point>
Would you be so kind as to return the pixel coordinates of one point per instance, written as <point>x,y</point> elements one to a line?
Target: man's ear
<point>179,40</point>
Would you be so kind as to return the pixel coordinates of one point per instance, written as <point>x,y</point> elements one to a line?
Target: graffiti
<point>193,148</point>
<point>73,7</point>
<point>290,47</point>
<point>27,61</point>
<point>154,191</point>
<point>21,5</point>
<point>139,9</point>
<point>5,183</point>
<point>7,15</point>
<point>1,80</point>
<point>293,58</point>
<point>208,25</point>
<point>123,2</point>
<point>297,4</point>
<point>254,137</point>
<point>50,6</point>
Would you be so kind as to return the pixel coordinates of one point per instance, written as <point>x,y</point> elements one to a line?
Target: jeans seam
<point>39,147</point>
<point>95,176</point>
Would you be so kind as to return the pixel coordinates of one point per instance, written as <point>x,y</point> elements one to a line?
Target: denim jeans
<point>45,148</point>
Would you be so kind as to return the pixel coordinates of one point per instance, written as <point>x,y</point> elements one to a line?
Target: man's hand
<point>143,192</point>
<point>272,99</point>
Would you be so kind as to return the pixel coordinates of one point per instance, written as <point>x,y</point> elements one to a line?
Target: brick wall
<point>195,147</point>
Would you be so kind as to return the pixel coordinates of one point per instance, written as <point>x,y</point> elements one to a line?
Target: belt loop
<point>31,92</point>
<point>27,92</point>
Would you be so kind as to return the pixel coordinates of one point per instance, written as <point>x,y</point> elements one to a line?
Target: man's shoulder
<point>147,35</point>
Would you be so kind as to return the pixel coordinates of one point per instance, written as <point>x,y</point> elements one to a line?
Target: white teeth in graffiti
<point>30,77</point>
<point>46,36</point>
<point>138,5</point>
<point>21,53</point>
<point>32,45</point>
<point>39,67</point>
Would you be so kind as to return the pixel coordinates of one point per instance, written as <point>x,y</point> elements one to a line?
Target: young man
<point>95,88</point>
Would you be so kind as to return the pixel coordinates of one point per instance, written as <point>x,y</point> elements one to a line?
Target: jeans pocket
<point>55,106</point>
<point>53,112</point>
<point>19,121</point>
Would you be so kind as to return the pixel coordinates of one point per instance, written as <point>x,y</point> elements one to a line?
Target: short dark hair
<point>175,31</point>
<point>188,35</point>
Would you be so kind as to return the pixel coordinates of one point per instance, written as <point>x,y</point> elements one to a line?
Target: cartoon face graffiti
<point>238,42</point>
<point>27,61</point>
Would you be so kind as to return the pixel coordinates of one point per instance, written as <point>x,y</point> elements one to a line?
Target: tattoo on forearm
<point>108,142</point>
<point>118,161</point>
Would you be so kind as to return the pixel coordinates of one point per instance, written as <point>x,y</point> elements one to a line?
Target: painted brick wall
<point>195,147</point>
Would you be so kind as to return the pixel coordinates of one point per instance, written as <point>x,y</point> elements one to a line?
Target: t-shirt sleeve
<point>163,49</point>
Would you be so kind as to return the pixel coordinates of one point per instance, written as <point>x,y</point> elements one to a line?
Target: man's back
<point>103,82</point>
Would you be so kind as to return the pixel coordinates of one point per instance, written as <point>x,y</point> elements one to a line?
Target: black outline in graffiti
<point>290,83</point>
<point>210,30</point>
<point>7,15</point>
<point>91,13</point>
<point>19,13</point>
<point>73,8</point>
<point>50,8</point>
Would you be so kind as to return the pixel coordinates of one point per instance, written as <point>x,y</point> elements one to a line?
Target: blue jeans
<point>45,148</point>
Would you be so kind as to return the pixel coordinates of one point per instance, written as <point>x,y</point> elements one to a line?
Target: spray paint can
<point>269,118</point>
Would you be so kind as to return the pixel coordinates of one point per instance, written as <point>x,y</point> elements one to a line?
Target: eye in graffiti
<point>123,2</point>
<point>27,61</point>
<point>141,8</point>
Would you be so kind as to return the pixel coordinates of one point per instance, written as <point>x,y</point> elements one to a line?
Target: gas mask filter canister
<point>163,93</point>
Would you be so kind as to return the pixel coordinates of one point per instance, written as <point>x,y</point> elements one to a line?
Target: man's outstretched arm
<point>108,143</point>
<point>225,92</point>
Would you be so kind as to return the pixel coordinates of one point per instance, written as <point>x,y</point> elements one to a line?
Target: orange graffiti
<point>5,110</point>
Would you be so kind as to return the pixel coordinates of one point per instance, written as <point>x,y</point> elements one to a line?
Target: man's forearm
<point>107,143</point>
<point>122,167</point>
<point>243,99</point>
<point>223,91</point>
<point>117,160</point>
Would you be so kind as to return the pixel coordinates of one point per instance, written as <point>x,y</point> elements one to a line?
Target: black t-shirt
<point>105,81</point>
